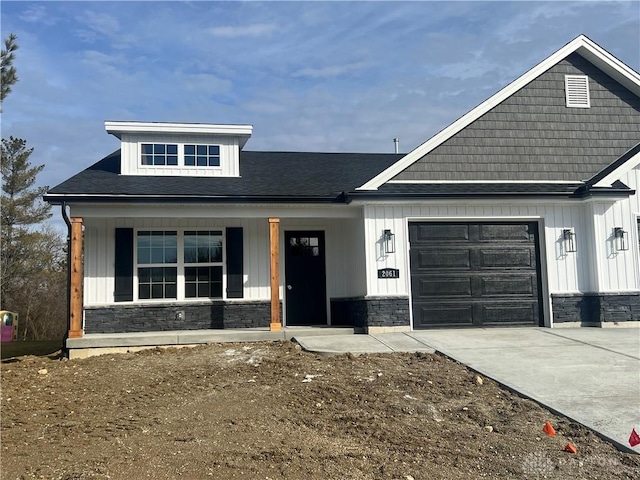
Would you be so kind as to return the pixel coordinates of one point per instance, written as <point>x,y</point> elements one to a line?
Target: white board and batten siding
<point>620,271</point>
<point>131,151</point>
<point>99,247</point>
<point>561,272</point>
<point>344,239</point>
<point>344,250</point>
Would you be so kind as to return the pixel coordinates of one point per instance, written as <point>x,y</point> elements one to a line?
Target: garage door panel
<point>507,285</point>
<point>507,258</point>
<point>493,233</point>
<point>437,233</point>
<point>444,315</point>
<point>444,286</point>
<point>438,259</point>
<point>499,314</point>
<point>474,274</point>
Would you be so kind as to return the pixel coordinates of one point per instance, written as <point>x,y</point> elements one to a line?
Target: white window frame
<point>204,264</point>
<point>180,265</point>
<point>165,165</point>
<point>180,154</point>
<point>577,86</point>
<point>195,155</point>
<point>154,265</point>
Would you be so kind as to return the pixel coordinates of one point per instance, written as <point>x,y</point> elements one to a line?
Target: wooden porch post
<point>274,227</point>
<point>75,307</point>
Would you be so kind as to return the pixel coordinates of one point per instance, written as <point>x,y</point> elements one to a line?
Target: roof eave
<point>57,199</point>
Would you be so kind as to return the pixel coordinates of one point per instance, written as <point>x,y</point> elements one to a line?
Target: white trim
<point>619,172</point>
<point>436,182</point>
<point>581,45</point>
<point>117,128</point>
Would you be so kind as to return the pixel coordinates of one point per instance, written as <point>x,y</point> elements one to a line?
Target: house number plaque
<point>388,273</point>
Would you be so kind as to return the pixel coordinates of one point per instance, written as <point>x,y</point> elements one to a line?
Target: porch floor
<point>194,337</point>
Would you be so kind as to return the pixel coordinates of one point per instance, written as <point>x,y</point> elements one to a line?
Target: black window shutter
<point>124,265</point>
<point>235,260</point>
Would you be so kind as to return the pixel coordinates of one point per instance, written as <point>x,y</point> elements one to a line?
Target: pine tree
<point>22,203</point>
<point>8,76</point>
<point>31,254</point>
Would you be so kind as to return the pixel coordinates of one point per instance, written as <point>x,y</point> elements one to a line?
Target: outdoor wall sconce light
<point>389,240</point>
<point>569,238</point>
<point>621,238</point>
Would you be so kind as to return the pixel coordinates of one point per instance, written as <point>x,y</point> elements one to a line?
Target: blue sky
<point>309,76</point>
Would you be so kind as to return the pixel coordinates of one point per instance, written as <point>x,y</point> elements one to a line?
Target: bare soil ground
<point>270,411</point>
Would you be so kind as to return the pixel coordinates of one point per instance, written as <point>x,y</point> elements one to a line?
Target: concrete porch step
<point>194,337</point>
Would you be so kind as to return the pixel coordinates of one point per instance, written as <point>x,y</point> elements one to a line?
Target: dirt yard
<point>270,411</point>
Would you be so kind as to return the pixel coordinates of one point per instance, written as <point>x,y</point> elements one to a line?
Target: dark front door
<point>475,274</point>
<point>305,278</point>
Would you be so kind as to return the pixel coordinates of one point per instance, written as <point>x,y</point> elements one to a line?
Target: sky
<point>327,76</point>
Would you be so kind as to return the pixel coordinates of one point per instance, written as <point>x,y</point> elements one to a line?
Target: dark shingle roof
<point>268,175</point>
<point>294,176</point>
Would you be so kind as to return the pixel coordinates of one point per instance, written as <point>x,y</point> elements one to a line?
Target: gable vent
<point>577,91</point>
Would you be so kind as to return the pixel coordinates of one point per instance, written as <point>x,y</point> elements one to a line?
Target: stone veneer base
<point>602,309</point>
<point>371,312</point>
<point>176,316</point>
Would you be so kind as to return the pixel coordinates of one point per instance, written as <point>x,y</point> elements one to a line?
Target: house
<point>522,212</point>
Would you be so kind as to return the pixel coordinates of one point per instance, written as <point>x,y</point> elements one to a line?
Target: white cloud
<point>37,14</point>
<point>331,70</point>
<point>254,30</point>
<point>97,25</point>
<point>205,83</point>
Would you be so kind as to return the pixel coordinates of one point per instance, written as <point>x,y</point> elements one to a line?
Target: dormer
<point>180,149</point>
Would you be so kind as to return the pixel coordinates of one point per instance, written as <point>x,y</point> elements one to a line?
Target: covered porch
<point>138,272</point>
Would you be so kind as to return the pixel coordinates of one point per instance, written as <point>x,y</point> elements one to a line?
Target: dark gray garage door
<point>482,274</point>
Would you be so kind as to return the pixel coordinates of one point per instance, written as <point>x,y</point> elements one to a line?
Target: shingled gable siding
<point>532,135</point>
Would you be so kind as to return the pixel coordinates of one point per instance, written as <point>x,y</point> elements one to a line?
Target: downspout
<point>65,217</point>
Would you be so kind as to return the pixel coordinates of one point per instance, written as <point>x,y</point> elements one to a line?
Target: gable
<point>591,52</point>
<point>533,136</point>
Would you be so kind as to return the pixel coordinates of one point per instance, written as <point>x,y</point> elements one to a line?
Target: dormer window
<point>202,155</point>
<point>180,149</point>
<point>159,154</point>
<point>188,155</point>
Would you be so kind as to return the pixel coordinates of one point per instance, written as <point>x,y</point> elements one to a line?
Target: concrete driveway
<point>591,375</point>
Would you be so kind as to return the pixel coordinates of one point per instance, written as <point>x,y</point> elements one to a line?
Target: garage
<point>475,274</point>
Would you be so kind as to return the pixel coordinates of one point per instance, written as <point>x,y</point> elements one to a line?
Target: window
<point>156,251</point>
<point>203,264</point>
<point>159,154</point>
<point>202,155</point>
<point>194,273</point>
<point>577,91</point>
<point>304,246</point>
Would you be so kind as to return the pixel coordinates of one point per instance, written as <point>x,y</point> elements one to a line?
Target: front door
<point>305,278</point>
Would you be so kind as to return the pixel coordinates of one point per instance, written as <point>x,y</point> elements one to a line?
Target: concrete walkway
<point>590,375</point>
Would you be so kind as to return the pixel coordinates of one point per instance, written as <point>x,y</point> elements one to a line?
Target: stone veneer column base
<point>596,309</point>
<point>373,314</point>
